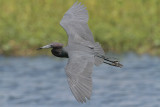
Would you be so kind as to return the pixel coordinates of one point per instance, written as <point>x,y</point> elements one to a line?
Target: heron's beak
<point>46,46</point>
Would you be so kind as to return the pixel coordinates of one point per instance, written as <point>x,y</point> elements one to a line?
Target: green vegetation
<point>119,25</point>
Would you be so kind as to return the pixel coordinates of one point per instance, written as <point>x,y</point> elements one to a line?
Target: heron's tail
<point>98,51</point>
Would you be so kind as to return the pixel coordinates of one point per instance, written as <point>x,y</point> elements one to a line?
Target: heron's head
<point>53,45</point>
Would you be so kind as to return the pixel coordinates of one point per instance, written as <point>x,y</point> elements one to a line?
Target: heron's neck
<point>61,52</point>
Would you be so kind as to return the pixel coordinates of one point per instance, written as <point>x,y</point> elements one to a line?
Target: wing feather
<point>81,49</point>
<point>79,70</point>
<point>75,22</point>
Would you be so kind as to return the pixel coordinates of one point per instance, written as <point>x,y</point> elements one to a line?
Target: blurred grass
<point>119,25</point>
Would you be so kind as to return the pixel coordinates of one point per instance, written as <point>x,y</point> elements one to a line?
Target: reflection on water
<point>41,82</point>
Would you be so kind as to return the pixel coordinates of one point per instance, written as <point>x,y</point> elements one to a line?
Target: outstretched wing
<point>75,24</point>
<point>79,70</point>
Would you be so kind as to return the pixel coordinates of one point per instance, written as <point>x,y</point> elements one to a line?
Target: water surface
<point>41,82</point>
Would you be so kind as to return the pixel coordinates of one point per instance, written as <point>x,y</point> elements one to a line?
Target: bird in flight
<point>82,52</point>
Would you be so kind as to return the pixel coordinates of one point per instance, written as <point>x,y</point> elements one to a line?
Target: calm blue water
<point>41,82</point>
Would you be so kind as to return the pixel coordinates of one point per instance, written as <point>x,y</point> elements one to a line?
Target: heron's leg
<point>116,64</point>
<point>110,62</point>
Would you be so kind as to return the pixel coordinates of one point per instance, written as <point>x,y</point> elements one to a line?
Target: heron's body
<point>83,52</point>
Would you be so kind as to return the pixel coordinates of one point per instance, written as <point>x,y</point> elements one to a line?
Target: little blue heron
<point>83,52</point>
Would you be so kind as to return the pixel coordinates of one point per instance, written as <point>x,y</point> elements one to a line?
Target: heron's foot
<point>117,64</point>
